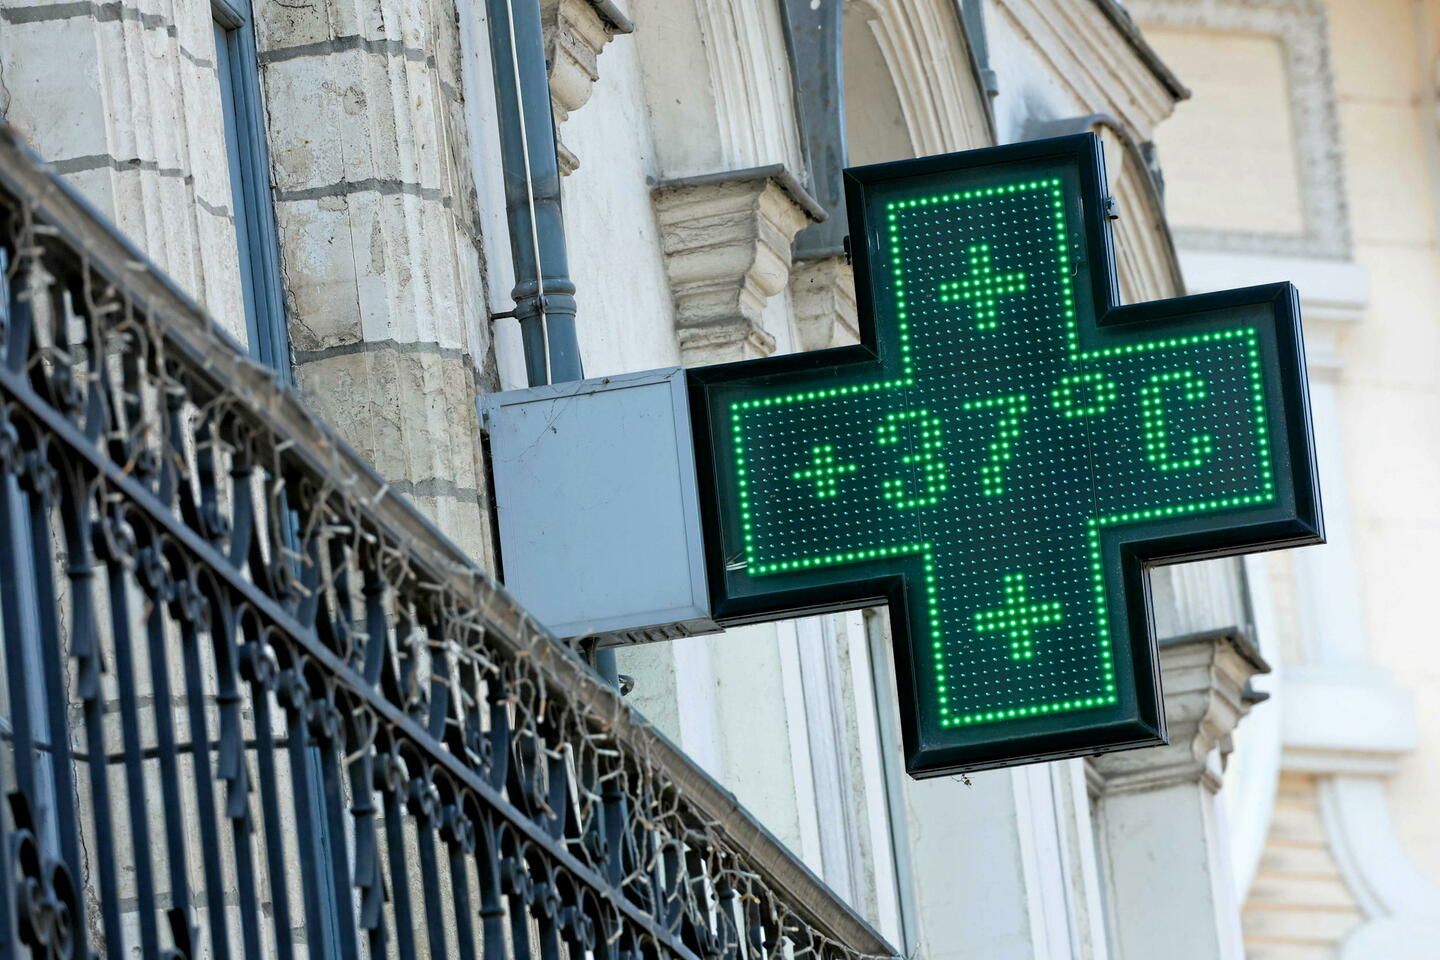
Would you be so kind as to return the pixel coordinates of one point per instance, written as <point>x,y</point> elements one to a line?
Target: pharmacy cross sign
<point>1004,454</point>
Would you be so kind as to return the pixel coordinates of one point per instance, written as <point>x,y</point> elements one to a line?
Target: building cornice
<point>1086,53</point>
<point>1123,22</point>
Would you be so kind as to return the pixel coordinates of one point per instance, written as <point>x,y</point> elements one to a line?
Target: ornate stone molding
<point>727,243</point>
<point>822,294</point>
<point>576,32</point>
<point>1086,59</point>
<point>924,46</point>
<point>1301,28</point>
<point>1206,678</point>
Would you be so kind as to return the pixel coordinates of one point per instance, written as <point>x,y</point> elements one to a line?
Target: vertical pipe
<point>813,42</point>
<point>544,293</point>
<point>972,16</point>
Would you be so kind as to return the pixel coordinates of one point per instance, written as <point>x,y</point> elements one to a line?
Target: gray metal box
<point>599,515</point>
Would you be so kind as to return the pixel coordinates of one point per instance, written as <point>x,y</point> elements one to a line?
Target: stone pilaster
<point>123,100</point>
<point>380,255</point>
<point>1165,836</point>
<point>727,242</point>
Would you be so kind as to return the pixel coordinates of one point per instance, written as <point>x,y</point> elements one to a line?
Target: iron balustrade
<point>253,705</point>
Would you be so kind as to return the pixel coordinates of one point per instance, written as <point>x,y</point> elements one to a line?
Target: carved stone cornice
<point>822,294</point>
<point>1206,679</point>
<point>727,242</point>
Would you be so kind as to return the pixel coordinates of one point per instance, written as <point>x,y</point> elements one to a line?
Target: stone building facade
<point>689,195</point>
<point>1327,174</point>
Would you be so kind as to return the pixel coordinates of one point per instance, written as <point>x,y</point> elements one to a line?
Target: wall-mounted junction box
<point>599,515</point>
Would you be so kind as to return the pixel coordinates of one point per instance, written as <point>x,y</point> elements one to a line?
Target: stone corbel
<point>727,241</point>
<point>1206,679</point>
<point>575,33</point>
<point>1160,808</point>
<point>822,293</point>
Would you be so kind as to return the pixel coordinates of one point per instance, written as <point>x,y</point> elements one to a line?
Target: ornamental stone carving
<point>727,243</point>
<point>1206,679</point>
<point>575,34</point>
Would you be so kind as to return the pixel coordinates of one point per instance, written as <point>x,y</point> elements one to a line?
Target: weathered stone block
<point>822,294</point>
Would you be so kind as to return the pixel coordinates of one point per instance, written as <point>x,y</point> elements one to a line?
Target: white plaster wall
<point>733,701</point>
<point>626,316</point>
<point>972,894</point>
<point>672,46</point>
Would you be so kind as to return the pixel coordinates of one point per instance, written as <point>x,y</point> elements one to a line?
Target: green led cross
<point>982,287</point>
<point>1017,617</point>
<point>1002,445</point>
<point>825,470</point>
<point>1001,450</point>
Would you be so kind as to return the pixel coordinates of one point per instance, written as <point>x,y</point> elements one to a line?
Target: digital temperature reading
<point>1004,454</point>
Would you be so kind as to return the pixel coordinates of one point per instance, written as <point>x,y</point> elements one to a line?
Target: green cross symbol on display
<point>824,471</point>
<point>1004,455</point>
<point>1017,618</point>
<point>982,287</point>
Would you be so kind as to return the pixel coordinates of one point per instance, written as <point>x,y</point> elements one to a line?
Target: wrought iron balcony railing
<point>253,705</point>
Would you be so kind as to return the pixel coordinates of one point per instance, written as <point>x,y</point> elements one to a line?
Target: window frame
<point>237,74</point>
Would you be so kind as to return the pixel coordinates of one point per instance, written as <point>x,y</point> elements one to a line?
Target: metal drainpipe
<point>813,44</point>
<point>544,294</point>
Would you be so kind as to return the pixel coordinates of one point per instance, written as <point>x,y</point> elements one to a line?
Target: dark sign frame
<point>1294,518</point>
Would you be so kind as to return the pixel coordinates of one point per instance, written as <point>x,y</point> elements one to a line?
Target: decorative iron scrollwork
<point>47,905</point>
<point>323,722</point>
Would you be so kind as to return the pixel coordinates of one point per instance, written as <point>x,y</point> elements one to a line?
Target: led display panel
<point>1003,454</point>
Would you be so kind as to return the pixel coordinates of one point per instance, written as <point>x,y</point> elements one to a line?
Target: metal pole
<point>544,293</point>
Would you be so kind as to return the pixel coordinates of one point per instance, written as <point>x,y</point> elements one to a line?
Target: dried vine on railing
<point>251,702</point>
